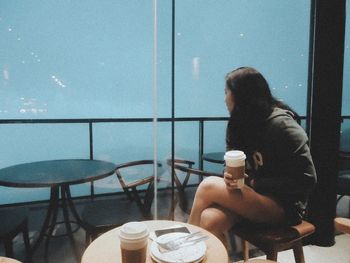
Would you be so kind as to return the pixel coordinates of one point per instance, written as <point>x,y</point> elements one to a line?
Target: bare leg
<point>218,221</point>
<point>244,202</point>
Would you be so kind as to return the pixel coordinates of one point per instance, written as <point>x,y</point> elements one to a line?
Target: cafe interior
<point>113,111</point>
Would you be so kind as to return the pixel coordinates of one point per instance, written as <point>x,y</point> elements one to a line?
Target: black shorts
<point>294,210</point>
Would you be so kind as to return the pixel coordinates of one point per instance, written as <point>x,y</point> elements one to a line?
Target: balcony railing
<point>201,127</point>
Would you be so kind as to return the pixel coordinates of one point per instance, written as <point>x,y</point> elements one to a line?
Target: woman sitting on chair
<point>280,170</point>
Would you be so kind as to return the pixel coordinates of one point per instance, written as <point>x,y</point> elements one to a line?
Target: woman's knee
<point>214,220</point>
<point>208,220</point>
<point>209,184</point>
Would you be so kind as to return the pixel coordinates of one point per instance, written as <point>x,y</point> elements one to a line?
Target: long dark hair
<point>253,104</point>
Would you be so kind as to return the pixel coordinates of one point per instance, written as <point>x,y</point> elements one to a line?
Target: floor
<point>61,251</point>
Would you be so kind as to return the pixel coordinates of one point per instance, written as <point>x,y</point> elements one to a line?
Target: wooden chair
<point>187,192</point>
<point>261,261</point>
<point>99,216</point>
<point>342,224</point>
<point>13,222</point>
<point>343,180</point>
<point>272,240</point>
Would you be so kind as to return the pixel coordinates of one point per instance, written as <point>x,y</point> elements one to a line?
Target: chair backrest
<point>342,224</point>
<point>133,186</point>
<point>344,161</point>
<point>343,179</point>
<point>185,197</point>
<point>186,166</point>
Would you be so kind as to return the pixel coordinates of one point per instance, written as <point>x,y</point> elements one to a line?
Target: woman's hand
<point>231,183</point>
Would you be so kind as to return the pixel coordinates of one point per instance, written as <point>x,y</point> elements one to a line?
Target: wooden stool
<point>275,239</point>
<point>261,261</point>
<point>8,260</point>
<point>342,224</point>
<point>13,222</point>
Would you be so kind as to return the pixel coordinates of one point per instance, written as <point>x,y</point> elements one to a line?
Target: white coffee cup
<point>133,242</point>
<point>235,165</point>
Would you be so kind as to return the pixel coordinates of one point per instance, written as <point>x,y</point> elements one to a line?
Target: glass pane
<point>35,142</point>
<point>164,55</point>
<point>346,75</point>
<point>76,59</point>
<point>345,127</point>
<point>214,37</point>
<point>214,141</point>
<point>345,136</point>
<point>121,143</point>
<point>24,143</point>
<point>187,141</point>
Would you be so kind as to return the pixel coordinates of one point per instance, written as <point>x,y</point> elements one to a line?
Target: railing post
<point>201,144</point>
<point>91,146</point>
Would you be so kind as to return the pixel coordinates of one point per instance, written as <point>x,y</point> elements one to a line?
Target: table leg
<point>72,207</point>
<point>53,220</point>
<point>53,205</point>
<point>50,220</point>
<point>66,214</point>
<point>64,196</point>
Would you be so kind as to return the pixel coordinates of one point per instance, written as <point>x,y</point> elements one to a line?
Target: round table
<point>106,248</point>
<point>58,175</point>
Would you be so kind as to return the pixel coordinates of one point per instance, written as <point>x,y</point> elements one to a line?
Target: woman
<point>280,170</point>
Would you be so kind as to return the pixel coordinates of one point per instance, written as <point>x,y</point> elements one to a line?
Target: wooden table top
<point>106,248</point>
<point>8,260</point>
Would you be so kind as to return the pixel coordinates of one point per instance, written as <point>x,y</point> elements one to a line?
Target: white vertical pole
<point>155,106</point>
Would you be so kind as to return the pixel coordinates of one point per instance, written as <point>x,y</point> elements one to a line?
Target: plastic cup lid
<point>133,230</point>
<point>235,154</point>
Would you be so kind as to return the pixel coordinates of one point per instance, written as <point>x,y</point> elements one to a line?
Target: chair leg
<point>27,243</point>
<point>94,236</point>
<point>174,202</point>
<point>87,238</point>
<point>271,254</point>
<point>8,247</point>
<point>231,241</point>
<point>245,249</point>
<point>298,252</point>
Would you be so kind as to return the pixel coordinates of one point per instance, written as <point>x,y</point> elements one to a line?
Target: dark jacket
<point>281,166</point>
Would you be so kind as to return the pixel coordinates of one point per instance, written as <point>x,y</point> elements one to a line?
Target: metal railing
<point>91,121</point>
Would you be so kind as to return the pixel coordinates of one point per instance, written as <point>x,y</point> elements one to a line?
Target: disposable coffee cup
<point>235,165</point>
<point>133,242</point>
